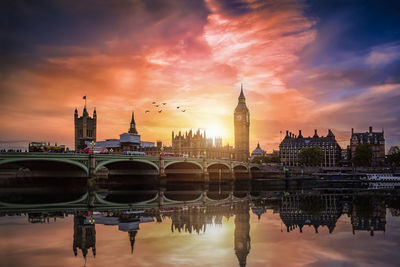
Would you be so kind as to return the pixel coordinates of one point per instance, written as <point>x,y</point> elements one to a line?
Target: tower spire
<point>132,129</point>
<point>241,96</point>
<point>133,118</point>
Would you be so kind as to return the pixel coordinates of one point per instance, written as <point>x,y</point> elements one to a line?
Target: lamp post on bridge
<point>163,176</point>
<point>205,171</point>
<point>232,170</point>
<point>92,161</point>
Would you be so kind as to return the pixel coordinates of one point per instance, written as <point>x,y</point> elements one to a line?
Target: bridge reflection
<point>194,210</point>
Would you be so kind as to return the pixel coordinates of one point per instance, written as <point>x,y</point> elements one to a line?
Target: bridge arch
<point>219,171</point>
<point>218,163</point>
<point>240,164</point>
<point>184,171</point>
<point>59,160</point>
<point>255,172</point>
<point>241,171</point>
<point>106,162</point>
<point>183,162</point>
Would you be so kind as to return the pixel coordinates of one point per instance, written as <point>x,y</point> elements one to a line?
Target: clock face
<point>239,117</point>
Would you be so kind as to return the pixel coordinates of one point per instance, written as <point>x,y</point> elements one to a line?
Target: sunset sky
<point>303,64</point>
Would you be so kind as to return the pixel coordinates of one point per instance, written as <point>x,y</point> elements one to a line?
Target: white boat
<point>383,185</point>
<point>380,177</point>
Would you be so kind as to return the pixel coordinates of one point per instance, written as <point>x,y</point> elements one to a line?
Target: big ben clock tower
<point>242,126</point>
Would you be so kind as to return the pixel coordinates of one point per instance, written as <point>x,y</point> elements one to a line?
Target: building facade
<point>129,141</point>
<point>85,128</point>
<point>292,144</point>
<point>196,144</point>
<point>375,139</point>
<point>242,129</point>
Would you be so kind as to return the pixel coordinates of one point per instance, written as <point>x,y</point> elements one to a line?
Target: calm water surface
<point>248,224</point>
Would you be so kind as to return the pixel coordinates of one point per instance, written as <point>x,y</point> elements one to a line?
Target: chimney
<point>287,133</point>
<point>370,129</point>
<point>300,136</point>
<point>352,131</point>
<point>315,133</point>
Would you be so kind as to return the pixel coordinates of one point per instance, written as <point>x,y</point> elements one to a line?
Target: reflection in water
<point>84,235</point>
<point>297,209</point>
<point>242,232</point>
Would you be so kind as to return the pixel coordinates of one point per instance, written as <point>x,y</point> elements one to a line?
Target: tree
<point>394,159</point>
<point>311,156</point>
<point>363,155</point>
<point>264,159</point>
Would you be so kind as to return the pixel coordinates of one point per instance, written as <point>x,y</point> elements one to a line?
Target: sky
<point>303,65</point>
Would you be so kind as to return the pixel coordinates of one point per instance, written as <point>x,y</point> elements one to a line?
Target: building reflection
<point>368,214</point>
<point>317,210</point>
<point>84,235</point>
<point>196,219</point>
<point>242,232</point>
<point>297,211</point>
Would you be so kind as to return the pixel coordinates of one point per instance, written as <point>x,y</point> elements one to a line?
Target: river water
<point>258,223</point>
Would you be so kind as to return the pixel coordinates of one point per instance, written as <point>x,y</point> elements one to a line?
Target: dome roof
<point>258,151</point>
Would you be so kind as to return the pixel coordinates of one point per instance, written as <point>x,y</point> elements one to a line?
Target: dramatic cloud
<point>304,65</point>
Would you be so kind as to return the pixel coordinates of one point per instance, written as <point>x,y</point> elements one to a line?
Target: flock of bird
<point>159,106</point>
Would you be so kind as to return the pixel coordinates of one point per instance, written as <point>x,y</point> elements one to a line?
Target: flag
<point>84,97</point>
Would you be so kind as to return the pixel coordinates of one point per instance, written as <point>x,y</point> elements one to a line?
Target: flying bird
<point>153,103</point>
<point>147,111</point>
<point>177,107</point>
<point>159,111</point>
<point>164,104</point>
<point>157,106</point>
<point>184,110</point>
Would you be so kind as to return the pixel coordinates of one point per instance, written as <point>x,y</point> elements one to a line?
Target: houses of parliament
<point>198,145</point>
<point>192,144</point>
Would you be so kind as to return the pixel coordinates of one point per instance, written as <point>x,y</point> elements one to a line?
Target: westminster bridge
<point>105,165</point>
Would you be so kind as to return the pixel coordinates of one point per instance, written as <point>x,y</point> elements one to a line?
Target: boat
<point>383,185</point>
<point>380,177</point>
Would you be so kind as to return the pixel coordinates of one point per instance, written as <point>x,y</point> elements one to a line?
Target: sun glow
<point>216,130</point>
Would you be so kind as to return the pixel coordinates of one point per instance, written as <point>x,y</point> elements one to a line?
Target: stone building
<point>292,144</point>
<point>129,141</point>
<point>375,139</point>
<point>242,129</point>
<point>85,128</point>
<point>196,144</point>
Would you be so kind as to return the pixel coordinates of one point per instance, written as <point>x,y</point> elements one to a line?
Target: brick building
<point>375,139</point>
<point>292,144</point>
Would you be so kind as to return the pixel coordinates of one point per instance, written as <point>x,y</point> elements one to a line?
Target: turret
<point>300,136</point>
<point>315,134</point>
